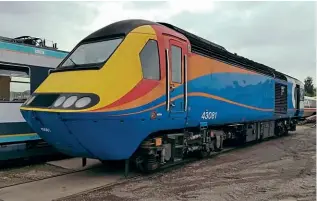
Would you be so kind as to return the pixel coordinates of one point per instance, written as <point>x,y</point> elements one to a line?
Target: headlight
<point>59,101</point>
<point>69,101</point>
<point>82,102</point>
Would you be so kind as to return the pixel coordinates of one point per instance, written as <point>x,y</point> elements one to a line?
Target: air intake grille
<point>280,98</point>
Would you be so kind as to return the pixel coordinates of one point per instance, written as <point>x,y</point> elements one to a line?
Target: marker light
<point>59,101</point>
<point>83,102</point>
<point>69,101</point>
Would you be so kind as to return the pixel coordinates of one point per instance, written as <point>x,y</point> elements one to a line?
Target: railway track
<point>159,172</point>
<point>48,177</point>
<point>125,179</point>
<point>135,176</point>
<point>241,174</point>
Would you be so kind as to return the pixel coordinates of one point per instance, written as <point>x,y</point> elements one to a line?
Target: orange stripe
<point>201,95</point>
<point>199,66</point>
<point>228,101</point>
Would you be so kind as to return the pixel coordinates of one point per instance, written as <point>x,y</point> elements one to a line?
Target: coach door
<point>176,74</point>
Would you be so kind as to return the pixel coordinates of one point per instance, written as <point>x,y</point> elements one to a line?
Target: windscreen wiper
<point>73,62</point>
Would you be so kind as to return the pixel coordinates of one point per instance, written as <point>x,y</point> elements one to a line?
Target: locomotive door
<point>297,100</point>
<point>176,77</point>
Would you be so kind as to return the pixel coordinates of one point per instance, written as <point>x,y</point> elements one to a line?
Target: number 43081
<point>209,115</point>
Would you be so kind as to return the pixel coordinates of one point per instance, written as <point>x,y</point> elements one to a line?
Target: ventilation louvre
<point>280,98</point>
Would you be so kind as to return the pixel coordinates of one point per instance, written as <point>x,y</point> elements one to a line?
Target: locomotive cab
<point>99,71</point>
<point>114,78</point>
<point>116,65</point>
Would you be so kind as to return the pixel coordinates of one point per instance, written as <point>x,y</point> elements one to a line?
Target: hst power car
<point>154,94</point>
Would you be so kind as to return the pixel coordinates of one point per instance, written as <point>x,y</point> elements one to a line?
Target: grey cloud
<point>57,21</point>
<point>144,5</point>
<point>278,34</point>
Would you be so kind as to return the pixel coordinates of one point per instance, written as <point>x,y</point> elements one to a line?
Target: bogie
<point>167,149</point>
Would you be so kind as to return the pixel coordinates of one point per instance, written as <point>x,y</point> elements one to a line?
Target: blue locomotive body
<point>190,97</point>
<point>217,100</point>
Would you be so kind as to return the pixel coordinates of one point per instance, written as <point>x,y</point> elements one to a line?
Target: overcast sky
<point>278,34</point>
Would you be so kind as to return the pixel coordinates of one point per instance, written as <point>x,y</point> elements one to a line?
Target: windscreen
<point>91,53</point>
<point>14,85</point>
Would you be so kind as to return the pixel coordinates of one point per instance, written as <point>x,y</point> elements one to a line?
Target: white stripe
<point>10,112</point>
<point>28,59</point>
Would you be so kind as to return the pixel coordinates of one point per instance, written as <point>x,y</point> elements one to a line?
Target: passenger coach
<point>25,62</point>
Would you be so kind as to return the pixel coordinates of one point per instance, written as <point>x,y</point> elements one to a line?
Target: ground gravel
<point>13,176</point>
<point>277,170</point>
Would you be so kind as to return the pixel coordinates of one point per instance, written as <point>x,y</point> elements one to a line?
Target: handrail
<point>185,82</point>
<point>167,81</point>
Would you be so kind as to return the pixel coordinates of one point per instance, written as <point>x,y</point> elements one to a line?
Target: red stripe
<point>309,108</point>
<point>142,88</point>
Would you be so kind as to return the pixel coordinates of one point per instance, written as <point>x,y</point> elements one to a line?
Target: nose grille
<point>47,100</point>
<point>44,100</point>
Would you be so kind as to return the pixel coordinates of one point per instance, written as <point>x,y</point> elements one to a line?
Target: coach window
<point>176,64</point>
<point>301,91</point>
<point>15,85</point>
<point>149,57</point>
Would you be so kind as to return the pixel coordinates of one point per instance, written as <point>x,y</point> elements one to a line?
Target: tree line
<point>310,90</point>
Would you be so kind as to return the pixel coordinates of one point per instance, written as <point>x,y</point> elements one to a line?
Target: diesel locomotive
<point>154,94</point>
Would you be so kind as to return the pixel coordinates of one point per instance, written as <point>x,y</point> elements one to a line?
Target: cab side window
<point>176,64</point>
<point>149,57</point>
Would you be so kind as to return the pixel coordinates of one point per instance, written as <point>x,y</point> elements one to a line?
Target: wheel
<point>285,133</point>
<point>203,154</point>
<point>147,164</point>
<point>218,143</point>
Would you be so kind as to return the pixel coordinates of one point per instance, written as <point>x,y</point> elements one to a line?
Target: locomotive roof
<point>210,49</point>
<point>198,45</point>
<point>120,28</point>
